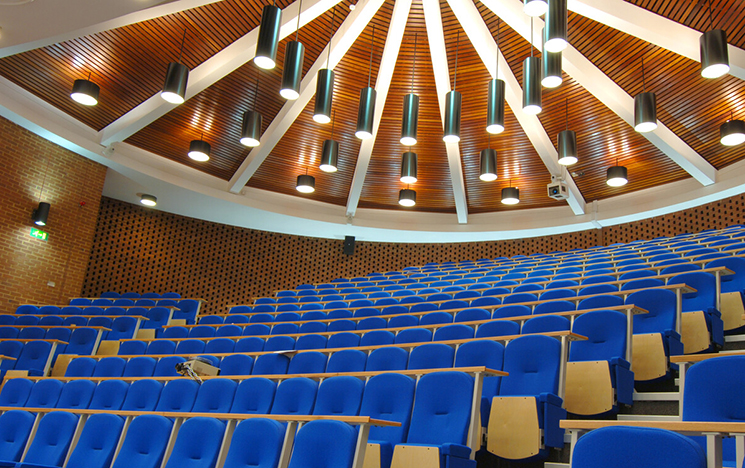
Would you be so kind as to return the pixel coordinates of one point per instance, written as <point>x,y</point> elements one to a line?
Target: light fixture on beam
<point>325,85</point>
<point>251,125</point>
<point>555,32</point>
<point>532,81</point>
<point>732,132</point>
<point>366,110</point>
<point>488,164</point>
<point>306,183</point>
<point>645,108</point>
<point>293,69</point>
<point>714,53</point>
<point>409,168</point>
<point>148,200</point>
<point>177,77</point>
<point>510,195</point>
<point>330,152</point>
<point>453,106</point>
<point>567,142</point>
<point>617,176</point>
<point>199,150</point>
<point>85,92</point>
<point>407,197</point>
<point>495,98</point>
<point>266,45</point>
<point>410,121</point>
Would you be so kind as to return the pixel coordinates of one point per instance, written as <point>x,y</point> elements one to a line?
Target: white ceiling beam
<point>439,56</point>
<point>590,77</point>
<point>486,47</point>
<point>211,71</point>
<point>343,39</point>
<point>387,66</point>
<point>652,28</point>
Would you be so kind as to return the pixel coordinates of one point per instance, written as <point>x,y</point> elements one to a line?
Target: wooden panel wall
<point>137,249</point>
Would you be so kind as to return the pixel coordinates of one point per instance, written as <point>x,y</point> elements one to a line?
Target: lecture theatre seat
<point>15,427</point>
<point>145,442</point>
<point>295,396</point>
<point>326,444</point>
<point>732,294</point>
<point>197,444</point>
<point>52,439</point>
<point>254,396</point>
<point>97,443</point>
<point>702,328</point>
<point>485,353</point>
<point>255,443</point>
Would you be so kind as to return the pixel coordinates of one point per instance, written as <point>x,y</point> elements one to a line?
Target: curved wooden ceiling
<point>129,64</point>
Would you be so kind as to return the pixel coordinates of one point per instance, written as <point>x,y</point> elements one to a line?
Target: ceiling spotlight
<point>325,85</point>
<point>148,200</point>
<point>510,195</point>
<point>645,108</point>
<point>555,32</point>
<point>567,141</point>
<point>292,71</point>
<point>330,152</point>
<point>551,69</point>
<point>532,81</point>
<point>408,168</point>
<point>535,7</point>
<point>495,97</point>
<point>366,111</point>
<point>617,176</point>
<point>199,150</point>
<point>488,165</point>
<point>406,197</point>
<point>732,132</point>
<point>177,77</point>
<point>453,106</point>
<point>266,45</point>
<point>85,92</point>
<point>41,214</point>
<point>306,183</point>
<point>251,129</point>
<point>714,54</point>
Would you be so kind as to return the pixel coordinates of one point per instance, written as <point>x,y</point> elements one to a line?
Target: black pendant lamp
<point>453,106</point>
<point>85,92</point>
<point>177,76</point>
<point>495,99</point>
<point>410,121</point>
<point>408,168</point>
<point>532,81</point>
<point>366,112</point>
<point>325,85</point>
<point>266,45</point>
<point>407,197</point>
<point>535,7</point>
<point>251,126</point>
<point>510,195</point>
<point>567,141</point>
<point>293,69</point>
<point>732,132</point>
<point>488,164</point>
<point>555,32</point>
<point>645,108</point>
<point>617,176</point>
<point>551,67</point>
<point>306,183</point>
<point>714,53</point>
<point>330,152</point>
<point>199,150</point>
<point>41,213</point>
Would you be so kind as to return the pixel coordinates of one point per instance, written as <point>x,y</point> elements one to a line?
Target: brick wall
<point>27,265</point>
<point>139,249</point>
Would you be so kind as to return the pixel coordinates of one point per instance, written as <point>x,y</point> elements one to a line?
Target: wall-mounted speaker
<point>349,245</point>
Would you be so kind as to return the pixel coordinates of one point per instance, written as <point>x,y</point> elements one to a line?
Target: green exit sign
<point>39,234</point>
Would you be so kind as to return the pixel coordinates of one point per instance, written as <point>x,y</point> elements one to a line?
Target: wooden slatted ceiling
<point>727,15</point>
<point>300,148</point>
<point>691,106</point>
<point>129,63</point>
<point>218,110</point>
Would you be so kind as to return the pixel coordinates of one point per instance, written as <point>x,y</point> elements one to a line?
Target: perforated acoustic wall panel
<point>142,250</point>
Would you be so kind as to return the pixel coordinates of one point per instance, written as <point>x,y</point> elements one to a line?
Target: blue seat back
<point>76,394</point>
<point>533,363</point>
<point>606,336</point>
<point>546,323</point>
<point>15,392</point>
<point>254,396</point>
<point>256,442</point>
<point>387,359</point>
<point>215,396</point>
<point>145,442</point>
<point>109,395</point>
<point>311,362</point>
<point>53,436</point>
<point>705,295</point>
<point>15,427</point>
<point>178,396</point>
<point>390,397</point>
<point>236,364</point>
<point>497,328</point>
<point>295,396</point>
<point>431,356</point>
<point>661,306</point>
<point>328,444</point>
<point>143,395</point>
<point>347,360</point>
<point>97,442</point>
<point>339,396</point>
<point>45,394</point>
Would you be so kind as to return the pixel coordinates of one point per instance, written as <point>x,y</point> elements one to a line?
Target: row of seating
<point>136,295</point>
<point>118,328</point>
<point>184,309</point>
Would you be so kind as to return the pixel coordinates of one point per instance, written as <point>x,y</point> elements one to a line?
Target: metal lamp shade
<point>551,69</point>
<point>366,113</point>
<point>174,88</point>
<point>410,122</point>
<point>617,176</point>
<point>324,95</point>
<point>85,92</point>
<point>510,195</point>
<point>488,165</point>
<point>732,132</point>
<point>266,46</point>
<point>41,214</point>
<point>535,7</point>
<point>714,54</point>
<point>251,129</point>
<point>408,168</point>
<point>555,32</point>
<point>329,156</point>
<point>199,150</point>
<point>452,117</point>
<point>406,197</point>
<point>495,107</point>
<point>292,71</point>
<point>532,85</point>
<point>567,148</point>
<point>645,112</point>
<point>306,183</point>
<point>148,200</point>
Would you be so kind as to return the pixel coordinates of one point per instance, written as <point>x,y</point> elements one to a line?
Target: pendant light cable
<point>531,37</point>
<point>455,74</point>
<point>496,72</point>
<point>372,47</point>
<point>297,29</point>
<point>644,82</point>
<point>331,28</point>
<point>566,113</point>
<point>711,16</point>
<point>44,180</point>
<point>181,50</point>
<point>413,65</point>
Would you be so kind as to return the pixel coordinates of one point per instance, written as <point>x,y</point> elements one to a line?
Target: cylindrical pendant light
<point>495,98</point>
<point>617,176</point>
<point>645,108</point>
<point>325,85</point>
<point>330,153</point>
<point>555,32</point>
<point>199,150</point>
<point>510,195</point>
<point>293,69</point>
<point>567,142</point>
<point>453,105</point>
<point>306,183</point>
<point>535,7</point>
<point>488,165</point>
<point>148,200</point>
<point>41,214</point>
<point>410,121</point>
<point>551,69</point>
<point>408,168</point>
<point>85,92</point>
<point>366,110</point>
<point>251,126</point>
<point>406,197</point>
<point>266,45</point>
<point>177,77</point>
<point>732,132</point>
<point>532,81</point>
<point>714,53</point>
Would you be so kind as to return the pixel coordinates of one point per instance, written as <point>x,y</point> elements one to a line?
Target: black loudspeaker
<point>349,245</point>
